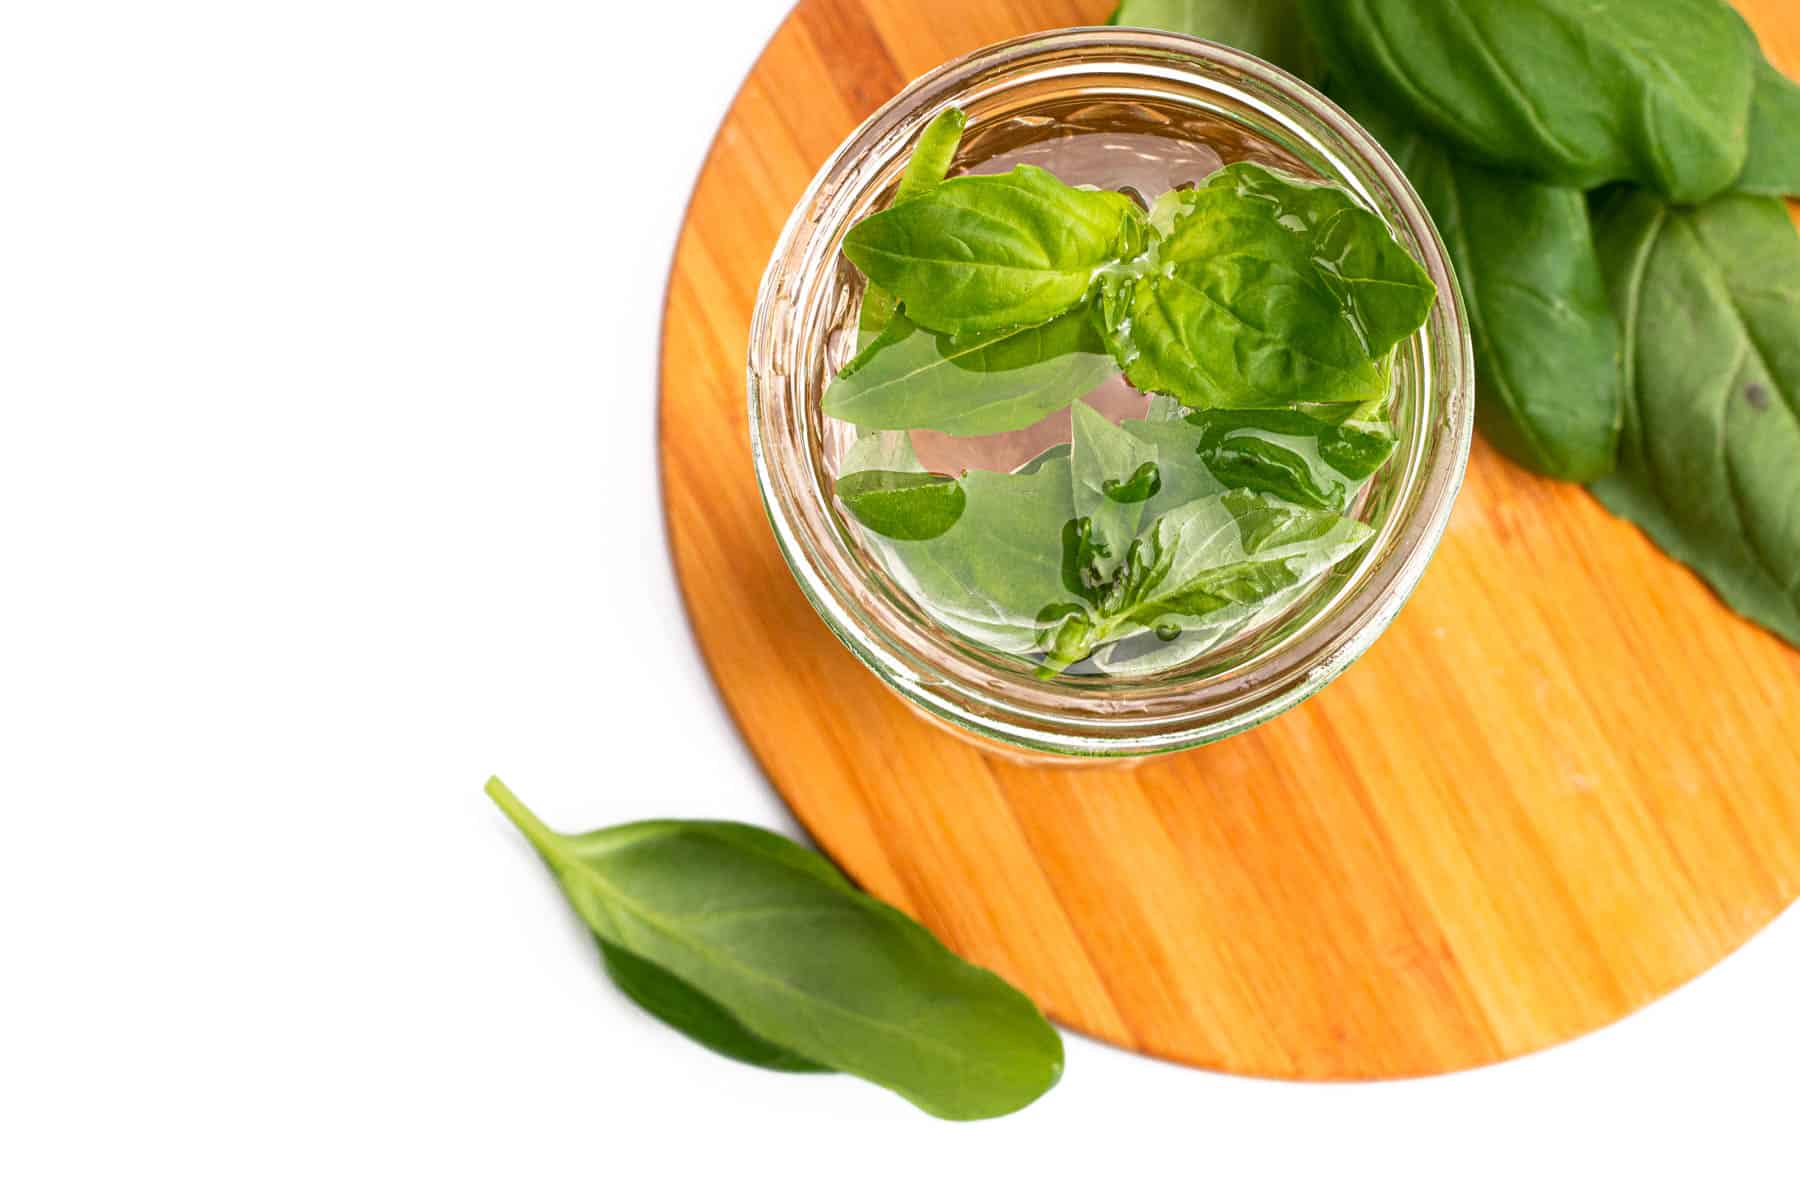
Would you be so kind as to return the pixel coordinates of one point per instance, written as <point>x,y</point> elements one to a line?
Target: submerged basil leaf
<point>908,506</point>
<point>1182,475</point>
<point>1268,292</point>
<point>1574,92</point>
<point>1270,29</point>
<point>1546,341</point>
<point>1200,573</point>
<point>1709,463</point>
<point>983,252</point>
<point>990,576</point>
<point>1320,464</point>
<point>1773,165</point>
<point>1109,485</point>
<point>929,164</point>
<point>968,384</point>
<point>770,934</point>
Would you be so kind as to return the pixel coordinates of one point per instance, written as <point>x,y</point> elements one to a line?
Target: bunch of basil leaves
<point>1607,175</point>
<point>1262,310</point>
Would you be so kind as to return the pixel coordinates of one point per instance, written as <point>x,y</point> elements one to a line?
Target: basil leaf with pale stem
<point>983,252</point>
<point>774,937</point>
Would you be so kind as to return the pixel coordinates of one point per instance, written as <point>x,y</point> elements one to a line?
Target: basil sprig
<point>761,950</point>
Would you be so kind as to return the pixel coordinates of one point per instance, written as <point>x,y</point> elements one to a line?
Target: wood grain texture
<point>1564,782</point>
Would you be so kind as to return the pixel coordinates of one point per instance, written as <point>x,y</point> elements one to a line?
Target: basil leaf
<point>1181,472</point>
<point>990,577</point>
<point>929,164</point>
<point>1269,29</point>
<point>908,506</point>
<point>1773,165</point>
<point>693,1013</point>
<point>984,252</point>
<point>804,962</point>
<point>1202,572</point>
<point>1267,293</point>
<point>969,384</point>
<point>1574,92</point>
<point>1319,464</point>
<point>1546,341</point>
<point>1709,463</point>
<point>1110,484</point>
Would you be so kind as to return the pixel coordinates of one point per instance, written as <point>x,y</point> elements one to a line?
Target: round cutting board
<point>1564,782</point>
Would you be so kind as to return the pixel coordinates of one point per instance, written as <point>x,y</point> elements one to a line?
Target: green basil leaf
<point>1773,165</point>
<point>984,252</point>
<point>1306,461</point>
<point>1709,463</point>
<point>990,577</point>
<point>1201,573</point>
<point>1268,292</point>
<point>1546,341</point>
<point>1180,471</point>
<point>968,384</point>
<point>693,1013</point>
<point>1574,92</point>
<point>929,164</point>
<point>803,962</point>
<point>908,506</point>
<point>1109,484</point>
<point>1270,29</point>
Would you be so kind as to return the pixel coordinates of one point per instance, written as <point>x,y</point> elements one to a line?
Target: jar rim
<point>960,686</point>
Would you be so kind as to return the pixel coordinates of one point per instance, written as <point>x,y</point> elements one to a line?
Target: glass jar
<point>804,330</point>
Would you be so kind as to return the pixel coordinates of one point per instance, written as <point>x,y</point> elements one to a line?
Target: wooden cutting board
<point>1566,781</point>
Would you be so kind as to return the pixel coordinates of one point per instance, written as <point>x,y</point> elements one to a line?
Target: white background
<point>327,344</point>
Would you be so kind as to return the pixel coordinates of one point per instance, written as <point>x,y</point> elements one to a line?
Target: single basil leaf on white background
<point>1268,292</point>
<point>928,167</point>
<point>1113,474</point>
<point>971,384</point>
<point>768,931</point>
<point>984,252</point>
<point>1709,460</point>
<point>1270,29</point>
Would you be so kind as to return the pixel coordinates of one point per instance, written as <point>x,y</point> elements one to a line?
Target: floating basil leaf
<point>929,164</point>
<point>1205,568</point>
<point>908,506</point>
<point>1104,458</point>
<point>1773,165</point>
<point>1291,455</point>
<point>984,252</point>
<point>1546,341</point>
<point>1268,292</point>
<point>1269,29</point>
<point>1574,92</point>
<point>767,931</point>
<point>1707,464</point>
<point>970,384</point>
